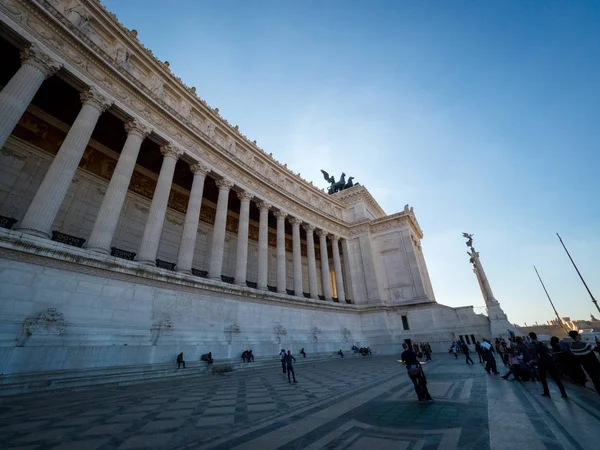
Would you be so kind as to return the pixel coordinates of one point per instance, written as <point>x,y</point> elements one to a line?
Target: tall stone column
<point>241,256</point>
<point>298,289</point>
<point>325,280</point>
<point>158,208</point>
<point>110,210</point>
<point>281,270</point>
<point>348,271</point>
<point>337,266</point>
<point>312,264</point>
<point>16,96</point>
<point>45,204</point>
<point>263,246</point>
<point>189,235</point>
<point>218,240</point>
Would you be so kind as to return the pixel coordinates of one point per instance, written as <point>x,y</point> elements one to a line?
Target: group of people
<point>206,357</point>
<point>529,359</point>
<point>247,356</point>
<point>423,349</point>
<point>362,350</point>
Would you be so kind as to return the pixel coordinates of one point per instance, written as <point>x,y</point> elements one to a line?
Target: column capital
<point>136,126</point>
<point>280,215</point>
<point>244,196</point>
<point>224,184</point>
<point>295,221</point>
<point>94,98</point>
<point>35,56</point>
<point>322,233</point>
<point>334,238</point>
<point>308,227</point>
<point>169,150</point>
<point>264,206</point>
<point>199,169</point>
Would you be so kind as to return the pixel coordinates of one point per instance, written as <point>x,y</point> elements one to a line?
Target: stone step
<point>14,384</point>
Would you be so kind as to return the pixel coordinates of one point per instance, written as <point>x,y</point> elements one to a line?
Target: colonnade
<point>16,96</point>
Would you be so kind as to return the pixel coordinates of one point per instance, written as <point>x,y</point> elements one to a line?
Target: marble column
<point>218,239</point>
<point>187,247</point>
<point>241,255</point>
<point>46,203</point>
<point>16,96</point>
<point>110,210</point>
<point>158,208</point>
<point>281,270</point>
<point>348,271</point>
<point>263,246</point>
<point>337,267</point>
<point>325,280</point>
<point>312,264</point>
<point>298,289</point>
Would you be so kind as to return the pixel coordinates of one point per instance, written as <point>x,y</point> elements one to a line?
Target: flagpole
<point>579,273</point>
<point>560,321</point>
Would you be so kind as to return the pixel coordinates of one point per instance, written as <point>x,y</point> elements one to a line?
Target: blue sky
<point>483,116</point>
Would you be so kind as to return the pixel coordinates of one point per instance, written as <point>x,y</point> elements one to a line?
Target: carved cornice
<point>111,64</point>
<point>356,194</point>
<point>35,56</point>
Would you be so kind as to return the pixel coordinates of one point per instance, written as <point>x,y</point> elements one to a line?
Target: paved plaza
<point>358,403</point>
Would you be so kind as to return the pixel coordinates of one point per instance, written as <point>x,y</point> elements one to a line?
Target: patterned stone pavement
<point>360,403</point>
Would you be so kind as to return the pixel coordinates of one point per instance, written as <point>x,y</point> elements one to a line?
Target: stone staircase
<point>23,383</point>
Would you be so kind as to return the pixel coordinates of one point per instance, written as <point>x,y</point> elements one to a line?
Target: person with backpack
<point>545,360</point>
<point>415,372</point>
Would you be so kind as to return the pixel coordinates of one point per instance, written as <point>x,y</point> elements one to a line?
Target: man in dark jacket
<point>466,351</point>
<point>288,364</point>
<point>545,359</point>
<point>180,360</point>
<point>583,352</point>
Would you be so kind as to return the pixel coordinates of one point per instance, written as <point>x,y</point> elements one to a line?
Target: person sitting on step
<point>249,356</point>
<point>207,357</point>
<point>245,356</point>
<point>180,360</point>
<point>341,353</point>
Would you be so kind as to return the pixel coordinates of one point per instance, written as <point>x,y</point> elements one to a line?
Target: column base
<point>147,263</point>
<point>104,251</point>
<point>240,283</point>
<point>185,271</point>
<point>215,278</point>
<point>262,288</point>
<point>33,232</point>
<point>284,291</point>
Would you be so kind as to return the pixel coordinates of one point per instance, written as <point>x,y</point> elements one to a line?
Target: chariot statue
<point>339,185</point>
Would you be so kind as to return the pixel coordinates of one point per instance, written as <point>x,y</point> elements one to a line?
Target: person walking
<point>478,350</point>
<point>415,372</point>
<point>488,356</point>
<point>290,368</point>
<point>455,350</point>
<point>466,351</point>
<point>282,356</point>
<point>546,365</point>
<point>583,353</point>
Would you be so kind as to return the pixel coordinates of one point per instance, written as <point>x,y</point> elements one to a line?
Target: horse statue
<point>334,186</point>
<point>349,184</point>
